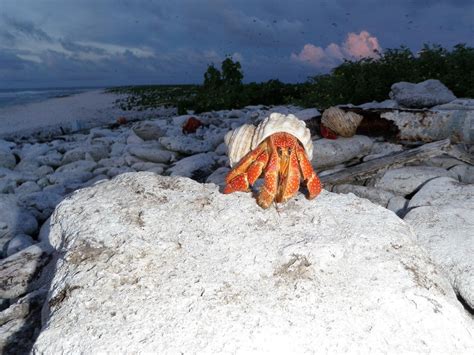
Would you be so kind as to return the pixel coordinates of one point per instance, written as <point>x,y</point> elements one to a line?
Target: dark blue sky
<point>114,42</point>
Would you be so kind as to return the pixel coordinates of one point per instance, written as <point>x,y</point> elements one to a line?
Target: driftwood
<point>369,168</point>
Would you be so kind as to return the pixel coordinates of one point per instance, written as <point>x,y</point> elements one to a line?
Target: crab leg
<point>290,176</point>
<point>247,171</point>
<point>270,184</point>
<point>312,181</point>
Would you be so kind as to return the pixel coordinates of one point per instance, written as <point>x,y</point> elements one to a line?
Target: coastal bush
<point>355,82</point>
<point>370,79</point>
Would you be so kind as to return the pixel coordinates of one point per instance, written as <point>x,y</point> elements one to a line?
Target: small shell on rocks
<point>247,137</point>
<point>239,142</point>
<point>340,122</point>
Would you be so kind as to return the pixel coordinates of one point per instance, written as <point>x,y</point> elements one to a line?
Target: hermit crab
<point>280,148</point>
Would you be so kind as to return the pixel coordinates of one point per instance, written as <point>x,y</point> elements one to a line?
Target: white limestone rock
<point>398,204</point>
<point>307,114</point>
<point>19,273</point>
<point>188,144</point>
<point>424,94</point>
<point>403,181</point>
<point>328,152</point>
<point>152,153</point>
<point>77,166</point>
<point>69,178</point>
<point>41,203</point>
<point>14,219</point>
<point>146,166</point>
<point>442,216</point>
<point>464,173</point>
<point>19,242</point>
<point>52,158</point>
<point>187,166</point>
<point>27,187</point>
<point>20,322</point>
<point>7,159</point>
<point>150,130</point>
<point>117,171</point>
<point>377,196</point>
<point>167,265</point>
<point>458,104</point>
<point>380,105</point>
<point>218,176</point>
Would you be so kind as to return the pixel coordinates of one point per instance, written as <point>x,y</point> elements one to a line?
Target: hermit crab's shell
<point>239,142</point>
<point>340,122</point>
<point>247,137</point>
<point>278,122</point>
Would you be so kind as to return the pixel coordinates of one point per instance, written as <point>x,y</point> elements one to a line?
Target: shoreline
<point>68,114</point>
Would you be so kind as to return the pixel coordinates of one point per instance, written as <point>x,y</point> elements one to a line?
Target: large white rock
<point>377,196</point>
<point>442,216</point>
<point>328,152</point>
<point>424,94</point>
<point>405,180</point>
<point>166,265</point>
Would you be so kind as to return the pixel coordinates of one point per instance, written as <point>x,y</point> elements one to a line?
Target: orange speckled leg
<point>270,185</point>
<point>289,179</point>
<point>312,180</point>
<point>247,171</point>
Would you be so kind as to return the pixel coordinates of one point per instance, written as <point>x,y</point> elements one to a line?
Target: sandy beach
<point>65,115</point>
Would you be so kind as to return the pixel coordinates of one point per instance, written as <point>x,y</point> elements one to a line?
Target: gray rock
<point>69,178</point>
<point>41,203</point>
<point>20,272</point>
<point>77,166</point>
<point>307,114</point>
<point>21,322</point>
<point>27,187</point>
<point>378,105</point>
<point>117,171</point>
<point>464,173</point>
<point>398,204</point>
<point>146,166</point>
<point>14,219</point>
<point>442,216</point>
<point>19,242</point>
<point>424,94</point>
<point>404,181</point>
<point>53,159</point>
<point>226,276</point>
<point>458,104</point>
<point>7,160</point>
<point>329,152</point>
<point>7,185</point>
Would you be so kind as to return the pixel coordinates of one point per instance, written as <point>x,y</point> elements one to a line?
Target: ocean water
<point>12,97</point>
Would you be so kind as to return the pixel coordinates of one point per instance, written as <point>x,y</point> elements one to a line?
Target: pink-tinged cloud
<point>362,45</point>
<point>355,46</point>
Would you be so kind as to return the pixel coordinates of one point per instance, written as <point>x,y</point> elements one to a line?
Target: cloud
<point>356,46</point>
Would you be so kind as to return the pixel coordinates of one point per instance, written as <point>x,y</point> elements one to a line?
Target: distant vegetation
<point>353,82</point>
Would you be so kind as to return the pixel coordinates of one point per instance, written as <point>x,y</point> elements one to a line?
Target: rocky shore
<point>143,246</point>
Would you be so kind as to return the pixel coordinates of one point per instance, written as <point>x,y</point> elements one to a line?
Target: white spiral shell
<point>340,122</point>
<point>247,137</point>
<point>239,142</point>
